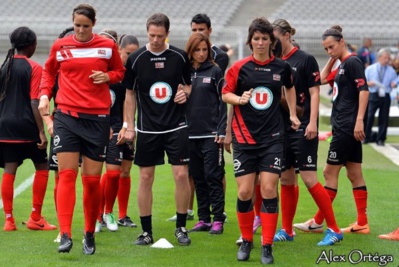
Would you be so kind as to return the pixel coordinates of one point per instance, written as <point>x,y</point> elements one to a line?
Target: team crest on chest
<point>335,91</point>
<point>262,98</point>
<point>160,92</point>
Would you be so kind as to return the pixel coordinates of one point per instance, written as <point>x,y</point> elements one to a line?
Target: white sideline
<point>21,188</point>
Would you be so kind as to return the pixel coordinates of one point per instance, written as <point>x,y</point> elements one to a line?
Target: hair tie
<point>109,35</point>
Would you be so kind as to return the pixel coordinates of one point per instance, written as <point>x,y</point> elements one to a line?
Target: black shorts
<point>300,153</point>
<point>344,148</point>
<point>265,159</point>
<point>18,152</point>
<point>52,159</point>
<point>114,152</point>
<point>89,137</point>
<point>151,148</point>
<point>128,153</point>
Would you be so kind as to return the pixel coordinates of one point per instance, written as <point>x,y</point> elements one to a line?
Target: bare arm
<point>311,129</point>
<point>359,126</point>
<point>39,123</point>
<point>326,70</point>
<point>130,113</point>
<point>291,101</point>
<point>228,139</point>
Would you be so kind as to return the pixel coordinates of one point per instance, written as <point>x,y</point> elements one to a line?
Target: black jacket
<point>206,112</point>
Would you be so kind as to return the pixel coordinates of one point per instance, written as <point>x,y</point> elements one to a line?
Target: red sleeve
<point>116,68</point>
<point>35,79</point>
<point>232,76</point>
<point>331,77</point>
<point>49,73</point>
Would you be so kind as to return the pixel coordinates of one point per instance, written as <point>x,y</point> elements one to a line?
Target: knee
<point>245,194</point>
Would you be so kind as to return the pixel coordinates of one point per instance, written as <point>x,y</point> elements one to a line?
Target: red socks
<point>111,189</point>
<point>360,196</point>
<point>288,207</point>
<point>91,200</point>
<point>38,192</point>
<point>245,222</point>
<point>269,218</point>
<point>66,198</point>
<point>7,194</point>
<point>322,199</point>
<point>123,195</point>
<point>56,181</point>
<point>319,217</point>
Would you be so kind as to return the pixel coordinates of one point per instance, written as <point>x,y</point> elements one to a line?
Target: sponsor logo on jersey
<point>160,92</point>
<point>102,52</point>
<point>360,82</point>
<point>158,58</point>
<point>159,65</point>
<point>341,71</point>
<point>262,69</point>
<point>113,97</point>
<point>335,91</point>
<point>316,76</point>
<point>276,77</point>
<point>206,80</point>
<point>262,98</point>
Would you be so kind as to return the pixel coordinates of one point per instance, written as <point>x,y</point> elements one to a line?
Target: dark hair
<point>335,31</point>
<point>110,34</point>
<point>66,32</point>
<point>158,19</point>
<point>263,26</point>
<point>21,38</point>
<point>277,49</point>
<point>125,40</point>
<point>86,10</point>
<point>201,18</point>
<point>282,26</point>
<point>193,43</point>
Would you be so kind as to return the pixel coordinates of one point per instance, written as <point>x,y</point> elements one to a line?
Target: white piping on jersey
<point>98,52</point>
<point>163,132</point>
<point>201,137</point>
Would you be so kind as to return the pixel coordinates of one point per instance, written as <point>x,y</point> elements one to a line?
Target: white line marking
<point>21,188</point>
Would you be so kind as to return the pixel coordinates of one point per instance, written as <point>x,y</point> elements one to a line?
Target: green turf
<point>30,248</point>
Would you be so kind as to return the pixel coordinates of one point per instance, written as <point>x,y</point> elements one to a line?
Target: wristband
<point>43,96</point>
<point>239,101</point>
<point>124,125</point>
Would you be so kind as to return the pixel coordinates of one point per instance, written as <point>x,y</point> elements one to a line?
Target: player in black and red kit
<point>302,144</point>
<point>206,115</point>
<point>350,98</point>
<point>21,127</point>
<point>158,81</point>
<point>254,86</point>
<point>86,63</point>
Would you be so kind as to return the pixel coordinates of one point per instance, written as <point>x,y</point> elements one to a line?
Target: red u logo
<point>261,100</point>
<point>160,92</point>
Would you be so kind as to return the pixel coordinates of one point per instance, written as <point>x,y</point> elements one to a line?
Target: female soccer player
<point>21,127</point>
<point>206,116</point>
<point>301,145</point>
<point>117,152</point>
<point>254,86</point>
<point>86,63</point>
<point>350,98</point>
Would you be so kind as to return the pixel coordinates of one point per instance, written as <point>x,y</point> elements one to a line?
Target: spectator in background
<point>364,52</point>
<point>381,78</point>
<point>228,49</point>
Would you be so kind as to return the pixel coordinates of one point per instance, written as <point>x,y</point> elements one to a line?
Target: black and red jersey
<point>118,93</point>
<point>75,61</point>
<point>206,112</point>
<point>155,78</point>
<point>309,76</point>
<point>259,122</point>
<point>17,122</point>
<point>349,81</point>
